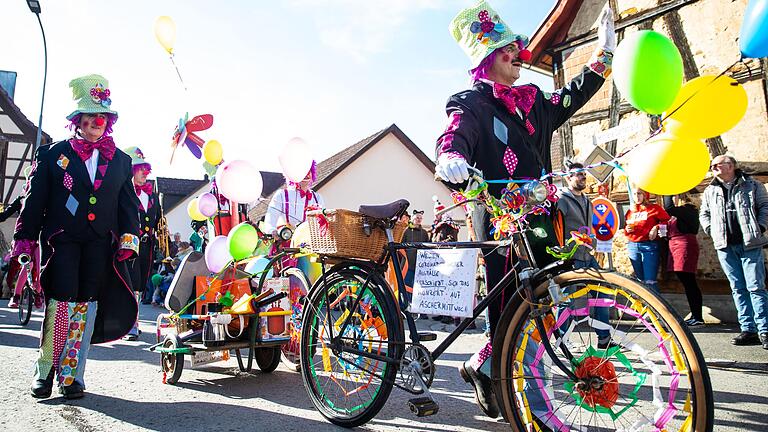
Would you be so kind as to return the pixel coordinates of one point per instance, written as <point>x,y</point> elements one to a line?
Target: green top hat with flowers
<point>91,92</point>
<point>137,156</point>
<point>479,31</point>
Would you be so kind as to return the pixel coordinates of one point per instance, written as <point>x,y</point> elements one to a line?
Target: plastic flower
<point>486,29</point>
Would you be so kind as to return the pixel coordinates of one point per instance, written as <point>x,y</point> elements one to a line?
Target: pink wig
<point>74,124</point>
<point>313,176</point>
<point>144,166</point>
<point>481,71</point>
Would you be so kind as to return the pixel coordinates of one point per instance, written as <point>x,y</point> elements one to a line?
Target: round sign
<point>605,219</point>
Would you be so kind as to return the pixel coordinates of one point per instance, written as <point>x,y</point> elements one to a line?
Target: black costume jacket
<point>148,220</point>
<point>62,198</point>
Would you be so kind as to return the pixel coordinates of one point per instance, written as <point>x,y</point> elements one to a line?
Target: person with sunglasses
<point>734,213</point>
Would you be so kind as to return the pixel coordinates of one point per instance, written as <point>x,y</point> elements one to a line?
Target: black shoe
<point>483,390</point>
<point>746,338</point>
<point>764,340</point>
<point>42,387</point>
<point>72,391</point>
<point>606,344</point>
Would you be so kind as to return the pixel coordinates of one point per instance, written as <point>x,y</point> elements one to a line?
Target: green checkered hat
<point>479,31</point>
<point>137,156</point>
<point>91,92</point>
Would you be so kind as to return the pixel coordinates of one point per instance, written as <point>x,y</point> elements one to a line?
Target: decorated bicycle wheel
<point>298,288</point>
<point>348,335</point>
<point>633,366</point>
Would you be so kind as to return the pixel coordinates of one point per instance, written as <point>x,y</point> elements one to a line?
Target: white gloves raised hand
<point>606,33</point>
<point>452,168</point>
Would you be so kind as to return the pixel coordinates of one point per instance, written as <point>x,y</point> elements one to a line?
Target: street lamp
<point>34,6</point>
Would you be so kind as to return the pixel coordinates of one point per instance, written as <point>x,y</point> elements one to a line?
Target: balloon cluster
<point>241,242</point>
<point>648,71</point>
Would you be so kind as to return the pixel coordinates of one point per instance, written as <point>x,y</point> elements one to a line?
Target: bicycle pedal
<point>427,337</point>
<point>423,406</point>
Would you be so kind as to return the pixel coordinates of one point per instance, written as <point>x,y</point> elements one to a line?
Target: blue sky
<point>329,71</point>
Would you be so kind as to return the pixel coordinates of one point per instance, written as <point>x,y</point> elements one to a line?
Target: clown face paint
<point>506,67</point>
<point>92,126</point>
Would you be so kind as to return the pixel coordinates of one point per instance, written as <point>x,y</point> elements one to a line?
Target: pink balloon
<point>217,254</point>
<point>296,159</point>
<point>207,204</point>
<point>239,181</point>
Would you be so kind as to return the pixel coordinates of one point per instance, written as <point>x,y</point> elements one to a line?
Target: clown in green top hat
<point>92,94</point>
<point>505,131</point>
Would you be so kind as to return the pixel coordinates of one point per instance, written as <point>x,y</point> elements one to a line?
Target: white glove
<point>606,33</point>
<point>452,168</point>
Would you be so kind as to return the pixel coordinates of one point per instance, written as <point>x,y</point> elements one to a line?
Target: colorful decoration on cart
<point>258,265</point>
<point>239,181</point>
<point>753,40</point>
<point>184,134</point>
<point>226,300</point>
<point>296,159</point>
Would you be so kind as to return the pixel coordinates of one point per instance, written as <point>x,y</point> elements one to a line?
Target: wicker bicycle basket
<point>339,233</point>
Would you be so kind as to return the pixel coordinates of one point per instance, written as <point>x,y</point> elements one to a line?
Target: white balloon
<point>296,159</point>
<point>217,254</point>
<point>239,181</point>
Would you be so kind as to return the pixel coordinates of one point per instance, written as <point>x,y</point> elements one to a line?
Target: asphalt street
<point>126,393</point>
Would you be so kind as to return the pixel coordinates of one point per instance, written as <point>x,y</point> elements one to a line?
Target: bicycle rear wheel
<point>349,388</point>
<point>25,304</point>
<point>651,376</point>
<point>297,292</point>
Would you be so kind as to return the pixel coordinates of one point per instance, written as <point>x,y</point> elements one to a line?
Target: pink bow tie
<point>84,148</point>
<point>515,97</point>
<point>146,188</point>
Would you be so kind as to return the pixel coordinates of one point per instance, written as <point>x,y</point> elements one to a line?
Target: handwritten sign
<point>444,283</point>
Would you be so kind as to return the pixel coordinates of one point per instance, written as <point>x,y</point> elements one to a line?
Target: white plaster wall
<point>387,172</point>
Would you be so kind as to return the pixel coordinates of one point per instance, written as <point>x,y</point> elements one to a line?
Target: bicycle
<point>27,292</point>
<point>547,372</point>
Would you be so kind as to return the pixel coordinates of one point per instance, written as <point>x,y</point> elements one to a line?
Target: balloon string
<point>177,72</point>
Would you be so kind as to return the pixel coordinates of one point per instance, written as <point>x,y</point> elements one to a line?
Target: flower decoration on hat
<point>486,29</point>
<point>100,95</point>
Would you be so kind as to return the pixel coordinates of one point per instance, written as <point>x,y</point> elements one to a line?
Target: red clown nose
<point>99,121</point>
<point>524,55</point>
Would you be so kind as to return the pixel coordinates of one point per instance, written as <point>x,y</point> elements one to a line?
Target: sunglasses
<point>718,165</point>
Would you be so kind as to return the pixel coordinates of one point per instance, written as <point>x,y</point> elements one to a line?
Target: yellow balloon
<point>165,32</point>
<point>194,212</point>
<point>714,105</point>
<point>213,152</point>
<point>669,165</point>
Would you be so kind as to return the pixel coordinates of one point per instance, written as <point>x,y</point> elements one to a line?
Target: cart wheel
<point>267,358</point>
<point>172,364</point>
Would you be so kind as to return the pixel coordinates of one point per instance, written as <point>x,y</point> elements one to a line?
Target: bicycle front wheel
<point>349,369</point>
<point>25,304</point>
<point>635,366</point>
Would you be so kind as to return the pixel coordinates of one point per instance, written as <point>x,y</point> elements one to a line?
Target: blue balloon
<point>258,265</point>
<point>753,40</point>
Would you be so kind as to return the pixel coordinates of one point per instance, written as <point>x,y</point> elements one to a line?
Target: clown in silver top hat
<point>505,130</point>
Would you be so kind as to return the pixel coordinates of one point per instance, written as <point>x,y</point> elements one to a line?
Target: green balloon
<point>648,71</point>
<point>242,241</point>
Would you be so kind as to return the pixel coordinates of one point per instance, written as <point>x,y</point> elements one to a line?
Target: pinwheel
<point>185,133</point>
